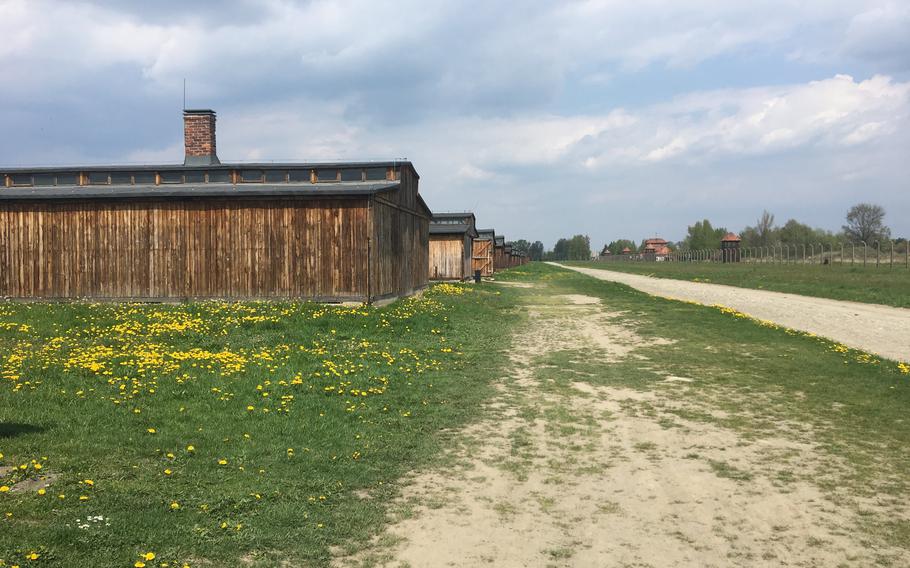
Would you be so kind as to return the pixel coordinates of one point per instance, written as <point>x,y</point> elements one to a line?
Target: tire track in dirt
<point>566,472</point>
<point>882,330</point>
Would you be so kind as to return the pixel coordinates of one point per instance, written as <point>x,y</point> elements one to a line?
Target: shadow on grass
<point>13,429</point>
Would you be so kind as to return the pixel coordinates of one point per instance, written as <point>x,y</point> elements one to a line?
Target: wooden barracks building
<point>451,246</point>
<point>204,229</point>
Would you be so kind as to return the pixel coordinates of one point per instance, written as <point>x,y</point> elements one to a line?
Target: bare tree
<point>865,222</point>
<point>764,228</point>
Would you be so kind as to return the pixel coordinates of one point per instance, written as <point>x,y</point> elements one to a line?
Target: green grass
<point>762,382</point>
<point>425,364</point>
<point>877,286</point>
<point>219,434</point>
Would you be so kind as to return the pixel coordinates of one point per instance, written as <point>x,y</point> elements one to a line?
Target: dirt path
<point>568,471</point>
<point>877,329</point>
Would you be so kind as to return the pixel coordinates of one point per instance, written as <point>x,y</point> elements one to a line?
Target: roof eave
<point>185,191</point>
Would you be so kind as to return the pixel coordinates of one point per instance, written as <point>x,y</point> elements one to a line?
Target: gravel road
<point>877,329</point>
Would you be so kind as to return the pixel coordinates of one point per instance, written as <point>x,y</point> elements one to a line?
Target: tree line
<point>864,222</point>
<point>573,248</point>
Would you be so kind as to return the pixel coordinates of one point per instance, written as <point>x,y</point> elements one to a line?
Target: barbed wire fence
<point>876,254</point>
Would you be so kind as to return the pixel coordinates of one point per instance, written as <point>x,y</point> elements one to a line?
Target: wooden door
<point>482,259</point>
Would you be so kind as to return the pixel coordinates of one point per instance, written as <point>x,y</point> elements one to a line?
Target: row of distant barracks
<point>331,232</point>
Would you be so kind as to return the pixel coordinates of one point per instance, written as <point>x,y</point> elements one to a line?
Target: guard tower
<point>729,247</point>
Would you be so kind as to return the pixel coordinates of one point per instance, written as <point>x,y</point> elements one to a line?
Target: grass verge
<point>886,286</point>
<point>212,434</point>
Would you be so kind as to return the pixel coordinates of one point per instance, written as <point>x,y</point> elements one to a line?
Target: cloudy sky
<point>613,118</point>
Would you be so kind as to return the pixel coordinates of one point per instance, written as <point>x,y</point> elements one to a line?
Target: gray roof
<point>449,228</point>
<point>486,234</point>
<point>197,190</point>
<point>453,214</point>
<point>442,224</point>
<point>213,167</point>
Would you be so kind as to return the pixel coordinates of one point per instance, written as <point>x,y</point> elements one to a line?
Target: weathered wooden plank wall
<point>447,256</point>
<point>406,195</point>
<point>467,255</point>
<point>400,250</point>
<point>400,245</point>
<point>500,258</point>
<point>189,248</point>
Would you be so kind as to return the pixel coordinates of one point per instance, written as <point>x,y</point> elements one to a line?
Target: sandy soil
<point>877,329</point>
<point>563,471</point>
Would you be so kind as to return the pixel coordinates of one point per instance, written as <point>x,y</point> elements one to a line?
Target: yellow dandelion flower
<point>222,461</point>
<point>151,431</point>
<point>4,488</point>
<point>175,505</point>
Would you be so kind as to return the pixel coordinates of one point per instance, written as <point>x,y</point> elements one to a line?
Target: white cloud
<point>882,32</point>
<point>711,125</point>
<point>675,147</point>
<point>699,130</point>
<point>472,172</point>
<point>864,133</point>
<point>453,49</point>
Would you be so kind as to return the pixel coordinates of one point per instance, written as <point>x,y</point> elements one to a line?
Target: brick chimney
<point>199,137</point>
